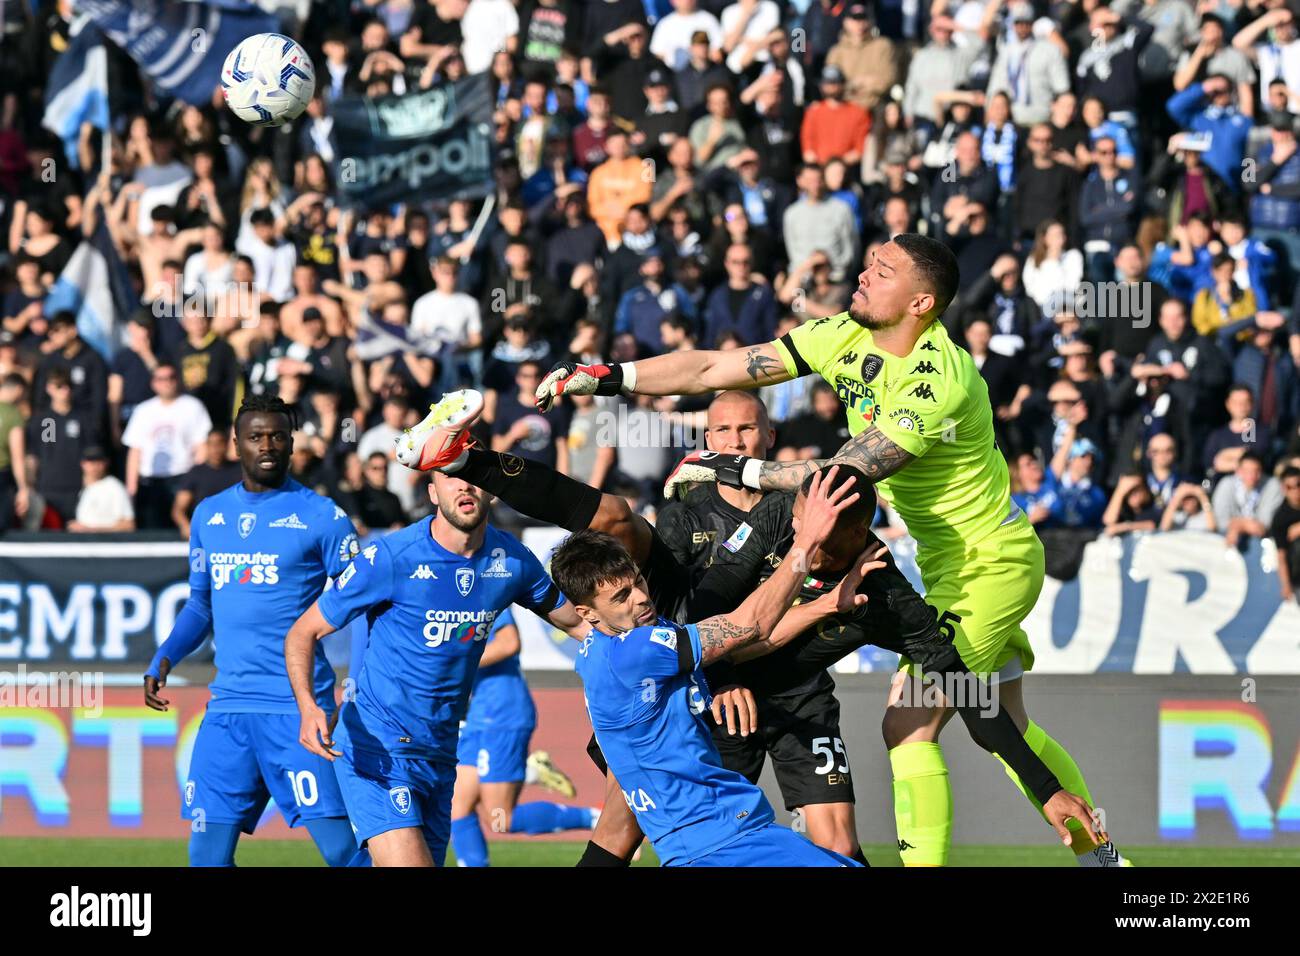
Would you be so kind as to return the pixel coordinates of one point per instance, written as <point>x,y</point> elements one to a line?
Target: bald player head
<point>738,425</point>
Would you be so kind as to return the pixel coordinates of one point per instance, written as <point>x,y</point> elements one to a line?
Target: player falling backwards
<point>431,593</point>
<point>895,617</point>
<point>923,431</point>
<point>493,762</point>
<point>260,552</point>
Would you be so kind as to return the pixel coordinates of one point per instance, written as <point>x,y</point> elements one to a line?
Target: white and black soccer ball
<point>268,79</point>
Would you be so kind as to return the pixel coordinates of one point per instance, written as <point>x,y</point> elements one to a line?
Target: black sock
<point>596,855</point>
<point>532,488</point>
<point>860,857</point>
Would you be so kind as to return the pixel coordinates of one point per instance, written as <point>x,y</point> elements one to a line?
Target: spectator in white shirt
<point>672,37</point>
<point>273,258</point>
<point>745,28</point>
<point>448,324</point>
<point>488,26</point>
<point>164,438</point>
<point>104,504</point>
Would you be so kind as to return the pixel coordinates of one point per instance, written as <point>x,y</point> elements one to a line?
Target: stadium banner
<point>429,144</point>
<point>1170,761</point>
<point>77,91</point>
<point>1171,603</point>
<point>179,46</point>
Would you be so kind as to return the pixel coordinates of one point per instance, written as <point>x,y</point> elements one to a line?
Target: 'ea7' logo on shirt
<point>464,581</point>
<point>247,521</point>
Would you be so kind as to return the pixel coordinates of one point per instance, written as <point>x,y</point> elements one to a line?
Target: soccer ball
<point>268,79</point>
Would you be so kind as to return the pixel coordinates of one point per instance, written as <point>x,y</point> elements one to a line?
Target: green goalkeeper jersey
<point>932,403</point>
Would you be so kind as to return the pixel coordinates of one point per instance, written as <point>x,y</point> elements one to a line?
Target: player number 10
<point>304,787</point>
<point>821,747</point>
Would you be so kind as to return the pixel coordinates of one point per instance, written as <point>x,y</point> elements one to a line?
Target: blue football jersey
<point>260,561</point>
<point>648,703</point>
<point>500,699</point>
<point>430,613</point>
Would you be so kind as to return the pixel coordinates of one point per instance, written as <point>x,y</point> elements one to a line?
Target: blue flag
<point>96,286</point>
<point>180,47</point>
<point>77,92</point>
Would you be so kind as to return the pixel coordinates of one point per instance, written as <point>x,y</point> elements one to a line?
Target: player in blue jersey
<point>260,553</point>
<point>493,762</point>
<point>645,691</point>
<point>431,593</point>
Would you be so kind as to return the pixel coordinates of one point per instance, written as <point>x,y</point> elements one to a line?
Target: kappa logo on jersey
<point>871,366</point>
<point>290,522</point>
<point>369,554</point>
<point>848,358</point>
<point>923,390</point>
<point>217,518</point>
<point>348,547</point>
<point>229,567</point>
<point>401,798</point>
<point>464,581</point>
<point>422,573</point>
<point>247,522</point>
<point>925,367</point>
<point>928,346</point>
<point>907,420</point>
<point>339,513</point>
<point>738,537</point>
<point>462,626</point>
<point>189,793</point>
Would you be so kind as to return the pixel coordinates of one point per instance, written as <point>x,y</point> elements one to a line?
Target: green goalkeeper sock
<point>1059,761</point>
<point>922,803</point>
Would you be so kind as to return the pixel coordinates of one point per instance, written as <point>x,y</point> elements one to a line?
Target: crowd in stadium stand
<point>1120,184</point>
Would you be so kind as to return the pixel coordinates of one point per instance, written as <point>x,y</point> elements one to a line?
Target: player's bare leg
<point>496,804</point>
<point>617,831</point>
<point>832,826</point>
<point>402,847</point>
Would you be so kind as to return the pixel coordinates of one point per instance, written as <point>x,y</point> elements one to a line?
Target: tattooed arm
<point>871,452</point>
<point>758,614</point>
<point>696,372</point>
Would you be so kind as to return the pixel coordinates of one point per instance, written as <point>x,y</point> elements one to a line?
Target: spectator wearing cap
<point>1246,501</point>
<point>740,305</point>
<point>833,128</point>
<point>1046,189</point>
<point>663,122</point>
<point>818,222</point>
<point>1212,56</point>
<point>1029,70</point>
<point>674,34</point>
<point>1108,206</point>
<point>1209,108</point>
<point>55,438</point>
<point>698,74</point>
<point>643,307</point>
<point>938,66</point>
<point>869,63</point>
<point>1275,189</point>
<point>103,504</point>
<point>87,372</point>
<point>1082,501</point>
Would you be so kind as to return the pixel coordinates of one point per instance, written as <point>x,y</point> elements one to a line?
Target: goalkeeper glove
<point>738,471</point>
<point>566,378</point>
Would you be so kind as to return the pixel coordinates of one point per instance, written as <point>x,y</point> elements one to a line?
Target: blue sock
<point>468,841</point>
<point>214,845</point>
<point>334,838</point>
<point>544,817</point>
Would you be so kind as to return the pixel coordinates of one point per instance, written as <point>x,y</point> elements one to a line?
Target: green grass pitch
<point>19,851</point>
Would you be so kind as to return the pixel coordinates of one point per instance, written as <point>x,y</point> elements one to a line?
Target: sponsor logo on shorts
<point>290,521</point>
<point>247,522</point>
<point>217,518</point>
<point>401,799</point>
<point>464,581</point>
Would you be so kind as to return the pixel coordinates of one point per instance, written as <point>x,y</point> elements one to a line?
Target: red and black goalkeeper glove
<point>565,378</point>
